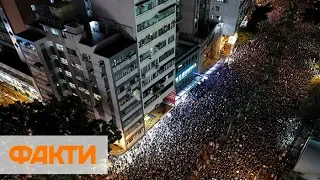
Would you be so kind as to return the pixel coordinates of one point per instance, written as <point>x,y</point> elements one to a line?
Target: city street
<point>240,122</point>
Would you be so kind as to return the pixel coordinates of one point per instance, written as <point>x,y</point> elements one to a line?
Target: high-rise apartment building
<point>116,55</point>
<point>230,13</point>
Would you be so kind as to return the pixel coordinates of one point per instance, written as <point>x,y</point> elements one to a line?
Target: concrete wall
<point>189,12</point>
<point>121,11</point>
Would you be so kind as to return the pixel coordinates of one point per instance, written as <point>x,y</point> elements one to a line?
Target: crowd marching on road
<point>239,123</point>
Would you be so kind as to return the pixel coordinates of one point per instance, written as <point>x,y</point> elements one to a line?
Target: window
<point>170,39</point>
<point>54,32</point>
<point>59,47</point>
<point>97,97</point>
<point>64,61</point>
<point>59,69</point>
<point>158,17</point>
<point>72,85</point>
<point>79,78</point>
<point>68,73</point>
<point>217,8</point>
<point>144,7</point>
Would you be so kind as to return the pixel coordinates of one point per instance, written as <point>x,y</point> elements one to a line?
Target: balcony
<point>124,63</point>
<point>132,111</point>
<point>158,98</point>
<point>161,75</point>
<point>124,78</point>
<point>151,12</point>
<point>123,93</point>
<point>164,84</point>
<point>132,99</point>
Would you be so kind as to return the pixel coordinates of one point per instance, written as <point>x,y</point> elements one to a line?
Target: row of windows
<point>134,136</point>
<point>127,85</point>
<point>84,90</point>
<point>166,55</point>
<point>191,60</point>
<point>156,74</point>
<point>123,58</point>
<point>156,34</point>
<point>126,71</point>
<point>132,118</point>
<point>147,6</point>
<point>149,66</point>
<point>133,127</point>
<point>155,49</point>
<point>147,103</point>
<point>130,108</point>
<point>125,99</point>
<point>158,17</point>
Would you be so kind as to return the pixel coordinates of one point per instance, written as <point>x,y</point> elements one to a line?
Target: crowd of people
<point>240,122</point>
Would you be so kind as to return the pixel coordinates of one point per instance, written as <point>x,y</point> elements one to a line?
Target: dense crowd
<point>240,122</point>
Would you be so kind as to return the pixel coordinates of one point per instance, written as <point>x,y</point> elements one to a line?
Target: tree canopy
<point>69,116</point>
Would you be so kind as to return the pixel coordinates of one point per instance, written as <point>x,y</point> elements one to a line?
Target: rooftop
<point>181,49</point>
<point>115,47</point>
<point>94,39</point>
<point>31,35</point>
<point>11,58</point>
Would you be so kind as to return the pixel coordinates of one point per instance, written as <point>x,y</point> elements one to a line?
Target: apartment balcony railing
<point>124,63</point>
<point>124,78</point>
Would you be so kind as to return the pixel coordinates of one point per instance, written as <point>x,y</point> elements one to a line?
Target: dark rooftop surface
<point>31,35</point>
<point>94,39</point>
<point>10,57</point>
<point>182,49</point>
<point>115,47</point>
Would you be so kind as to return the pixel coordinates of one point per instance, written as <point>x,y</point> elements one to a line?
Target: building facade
<point>120,61</point>
<point>187,63</point>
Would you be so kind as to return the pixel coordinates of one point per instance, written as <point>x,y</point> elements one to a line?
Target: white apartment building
<point>121,62</point>
<point>152,23</point>
<point>228,12</point>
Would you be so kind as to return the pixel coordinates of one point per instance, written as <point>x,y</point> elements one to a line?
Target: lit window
<point>54,32</point>
<point>64,61</point>
<point>72,85</point>
<point>97,96</point>
<point>84,90</point>
<point>68,73</point>
<point>79,78</point>
<point>59,47</point>
<point>79,67</point>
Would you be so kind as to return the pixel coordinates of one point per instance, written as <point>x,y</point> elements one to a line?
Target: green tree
<point>65,117</point>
